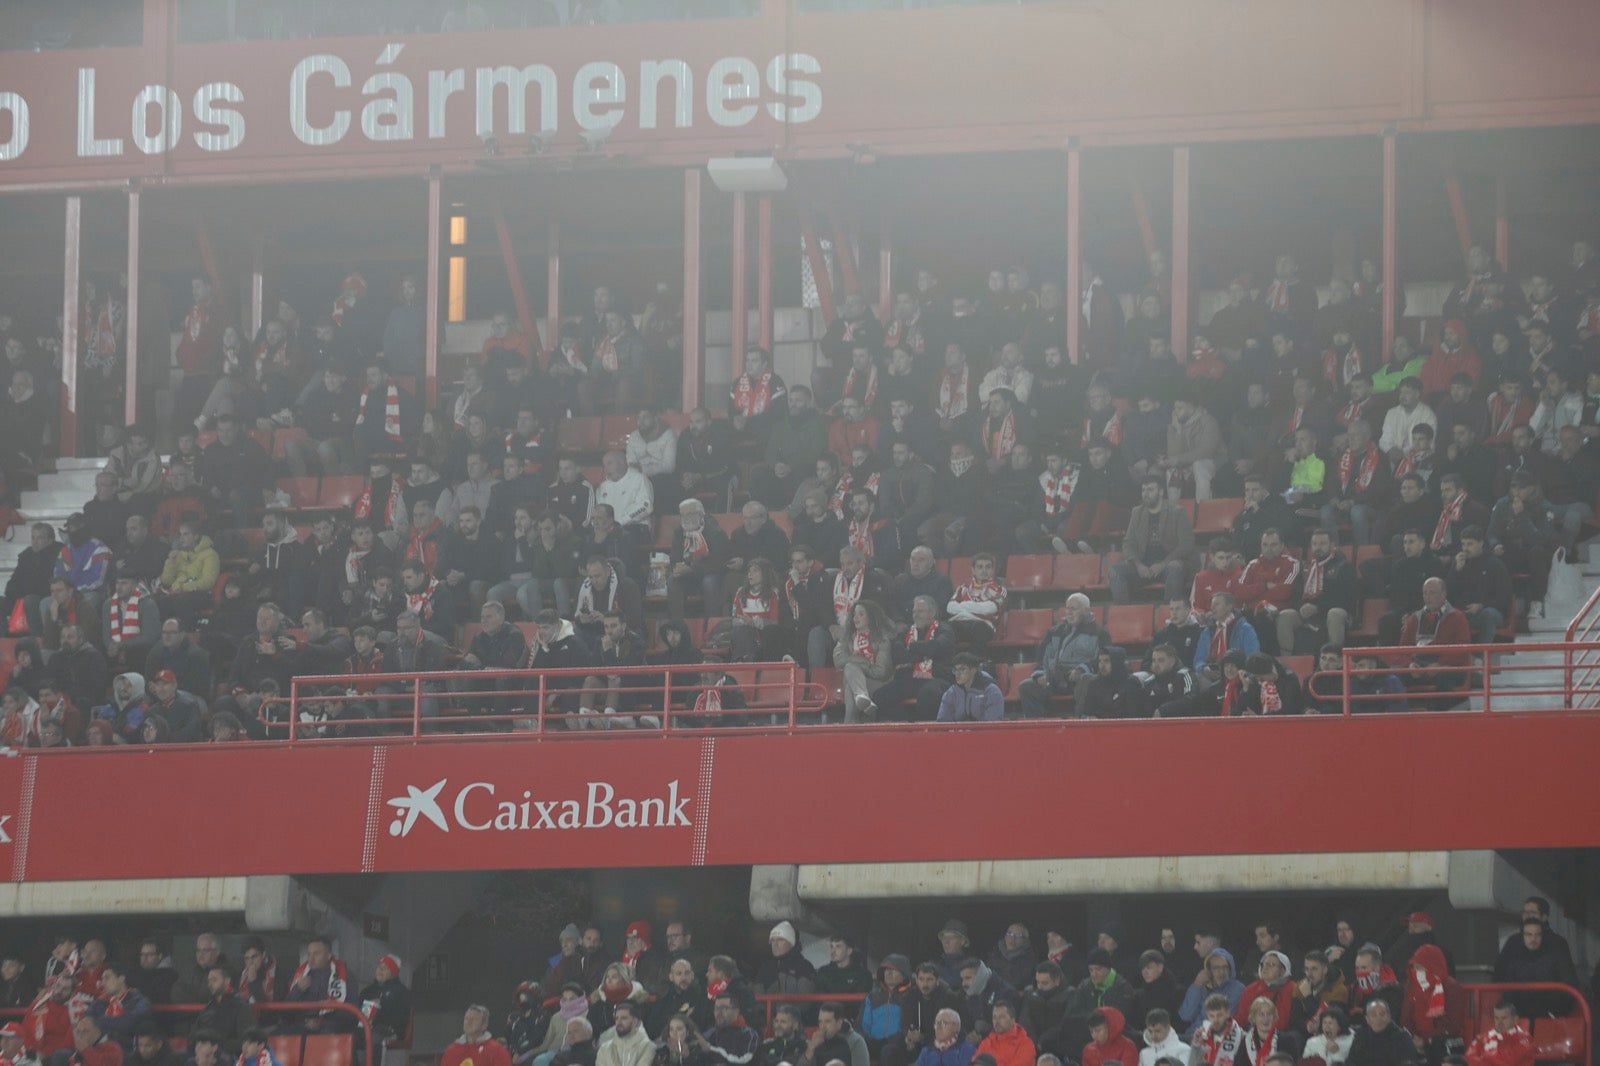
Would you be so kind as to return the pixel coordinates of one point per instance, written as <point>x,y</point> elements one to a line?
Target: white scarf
<point>586,593</point>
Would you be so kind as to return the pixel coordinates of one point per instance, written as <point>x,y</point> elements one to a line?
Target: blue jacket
<point>960,1055</point>
<point>982,703</point>
<point>1193,1011</point>
<point>119,1027</point>
<point>83,565</point>
<point>1242,637</point>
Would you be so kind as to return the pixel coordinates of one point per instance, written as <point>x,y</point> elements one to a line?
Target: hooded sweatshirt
<point>880,1014</point>
<point>1171,1047</point>
<point>1281,994</point>
<point>1193,1011</point>
<point>987,986</point>
<point>125,716</point>
<point>1117,1048</point>
<point>1427,984</point>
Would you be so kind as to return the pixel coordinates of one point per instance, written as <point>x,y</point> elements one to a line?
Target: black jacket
<point>1483,580</point>
<point>393,1016</point>
<point>228,1016</point>
<point>1339,587</point>
<point>506,649</point>
<point>1392,1047</point>
<point>940,647</point>
<point>34,571</point>
<point>1043,1016</point>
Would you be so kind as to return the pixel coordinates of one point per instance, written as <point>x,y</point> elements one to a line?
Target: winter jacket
<point>1163,993</point>
<point>635,1049</point>
<point>1251,1050</point>
<point>390,1002</point>
<point>1113,695</point>
<point>1193,1011</point>
<point>986,988</point>
<point>1067,647</point>
<point>1117,1048</point>
<point>1392,1047</point>
<point>1494,1048</point>
<point>119,1026</point>
<point>1171,1047</point>
<point>959,1055</point>
<point>193,570</point>
<point>1428,985</point>
<point>851,979</point>
<point>485,1052</point>
<point>690,1002</point>
<point>983,702</point>
<point>1011,1048</point>
<point>791,973</point>
<point>849,1047</point>
<point>918,1011</point>
<point>1043,1015</point>
<point>1241,637</point>
<point>1166,535</point>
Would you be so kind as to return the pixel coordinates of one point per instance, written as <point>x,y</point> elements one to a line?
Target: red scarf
<point>1431,986</point>
<point>709,701</point>
<point>1058,490</point>
<point>846,592</point>
<point>1503,415</point>
<point>953,393</point>
<point>1451,513</point>
<point>1261,1050</point>
<point>1352,411</point>
<point>125,616</point>
<point>1219,1048</point>
<point>419,547</point>
<point>841,491</point>
<point>1278,295</point>
<point>751,397</point>
<point>1363,475</point>
<point>716,988</point>
<point>861,644</point>
<point>1219,642</point>
<point>1296,418</point>
<point>1111,433</point>
<point>1369,983</point>
<point>923,669</point>
<point>605,353</point>
<point>872,386</point>
<point>337,980</point>
<point>1271,701</point>
<point>115,1007</point>
<point>1340,370</point>
<point>391,411</point>
<point>422,602</point>
<point>905,335</point>
<point>794,601</point>
<point>268,974</point>
<point>748,604</point>
<point>861,537</point>
<point>1000,439</point>
<point>1411,460</point>
<point>364,503</point>
<point>694,543</point>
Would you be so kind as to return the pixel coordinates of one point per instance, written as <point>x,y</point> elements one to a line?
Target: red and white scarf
<point>907,335</point>
<point>1353,410</point>
<point>1451,513</point>
<point>353,565</point>
<point>364,502</point>
<point>267,976</point>
<point>1503,414</point>
<point>1278,295</point>
<point>846,591</point>
<point>1369,982</point>
<point>1411,460</point>
<point>605,353</point>
<point>420,549</point>
<point>1260,1050</point>
<point>338,980</point>
<point>872,385</point>
<point>1058,489</point>
<point>1219,642</point>
<point>861,537</point>
<point>999,440</point>
<point>1220,1048</point>
<point>1271,701</point>
<point>391,411</point>
<point>841,491</point>
<point>1363,474</point>
<point>116,1007</point>
<point>708,702</point>
<point>125,616</point>
<point>1314,578</point>
<point>107,324</point>
<point>763,604</point>
<point>1341,370</point>
<point>422,601</point>
<point>861,645</point>
<point>586,593</point>
<point>694,544</point>
<point>923,669</point>
<point>1111,433</point>
<point>953,393</point>
<point>751,396</point>
<point>789,588</point>
<point>1433,987</point>
<point>1297,418</point>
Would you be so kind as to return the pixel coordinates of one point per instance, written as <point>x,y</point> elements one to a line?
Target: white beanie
<point>785,931</point>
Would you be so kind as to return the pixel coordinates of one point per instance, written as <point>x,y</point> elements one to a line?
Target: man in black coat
<point>1044,1010</point>
<point>921,665</point>
<point>31,578</point>
<point>1381,1041</point>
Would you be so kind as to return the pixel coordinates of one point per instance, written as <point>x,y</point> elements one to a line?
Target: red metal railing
<point>1468,671</point>
<point>1582,658</point>
<point>189,1009</point>
<point>546,703</point>
<point>1562,1038</point>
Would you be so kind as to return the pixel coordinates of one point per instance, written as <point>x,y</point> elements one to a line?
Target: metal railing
<point>1455,674</point>
<point>1582,658</point>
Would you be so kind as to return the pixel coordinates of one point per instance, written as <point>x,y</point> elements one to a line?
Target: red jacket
<point>48,1028</point>
<point>1494,1048</point>
<point>842,436</point>
<point>1209,582</point>
<point>1452,628</point>
<point>106,1053</point>
<point>1267,582</point>
<point>1423,1009</point>
<point>487,1052</point>
<point>1282,997</point>
<point>1013,1048</point>
<point>1117,1047</point>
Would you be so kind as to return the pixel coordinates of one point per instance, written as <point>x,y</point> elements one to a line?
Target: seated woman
<point>863,654</point>
<point>758,635</point>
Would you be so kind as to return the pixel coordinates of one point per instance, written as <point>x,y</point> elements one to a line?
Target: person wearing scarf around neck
<point>1273,983</point>
<point>864,655</point>
<point>699,551</point>
<point>922,664</point>
<point>1428,985</point>
<point>475,1045</point>
<point>1505,1043</point>
<point>1263,1037</point>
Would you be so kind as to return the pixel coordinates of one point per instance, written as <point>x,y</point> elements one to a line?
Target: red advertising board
<point>820,795</point>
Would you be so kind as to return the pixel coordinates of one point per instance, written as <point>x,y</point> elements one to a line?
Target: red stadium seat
<point>1016,675</point>
<point>1215,516</point>
<point>1371,611</point>
<point>960,570</point>
<point>666,526</point>
<point>283,436</point>
<point>780,518</point>
<point>677,421</point>
<point>1131,624</point>
<point>615,429</point>
<point>1074,573</point>
<point>1104,580</point>
<point>1299,665</point>
<point>729,522</point>
<point>302,491</point>
<point>1028,573</point>
<point>286,1049</point>
<point>341,492</point>
<point>1025,629</point>
<point>327,1049</point>
<point>1559,1039</point>
<point>579,435</point>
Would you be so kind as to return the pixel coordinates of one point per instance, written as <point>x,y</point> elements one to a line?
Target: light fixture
<point>747,174</point>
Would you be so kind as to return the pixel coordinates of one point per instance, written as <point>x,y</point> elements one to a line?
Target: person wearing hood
<point>1013,956</point>
<point>973,696</point>
<point>1217,976</point>
<point>1045,1007</point>
<point>649,964</point>
<point>1419,933</point>
<point>278,574</point>
<point>27,668</point>
<point>1007,1043</point>
<point>1264,1036</point>
<point>1321,989</point>
<point>475,1045</point>
<point>1330,1041</point>
<point>1272,983</point>
<point>1158,989</point>
<point>616,988</point>
<point>684,995</point>
<point>881,1019</point>
<point>983,988</point>
<point>556,644</point>
<point>126,711</point>
<point>1160,1042</point>
<point>955,947</point>
<point>1111,692</point>
<point>1380,1042</point>
<point>1428,986</point>
<point>945,1047</point>
<point>921,1004</point>
<point>786,972</point>
<point>846,971</point>
<point>1107,1044</point>
<point>1342,952</point>
<point>626,1044</point>
<point>1105,987</point>
<point>1113,939</point>
<point>835,1038</point>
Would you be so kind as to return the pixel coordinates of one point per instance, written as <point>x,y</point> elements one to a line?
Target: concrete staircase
<point>58,495</point>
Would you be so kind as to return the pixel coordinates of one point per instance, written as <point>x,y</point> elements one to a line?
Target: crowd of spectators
<point>1025,1002</point>
<point>960,431</point>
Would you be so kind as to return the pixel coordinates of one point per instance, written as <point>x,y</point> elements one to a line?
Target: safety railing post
<point>539,719</point>
<point>666,705</point>
<point>416,706</point>
<point>794,700</point>
<point>1487,688</point>
<point>294,709</point>
<point>1344,667</point>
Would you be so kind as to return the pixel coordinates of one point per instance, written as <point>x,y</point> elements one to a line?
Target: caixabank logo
<point>476,808</point>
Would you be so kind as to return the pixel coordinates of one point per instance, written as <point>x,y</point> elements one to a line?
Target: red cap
<point>1421,918</point>
<point>11,1029</point>
<point>391,961</point>
<point>166,675</point>
<point>638,929</point>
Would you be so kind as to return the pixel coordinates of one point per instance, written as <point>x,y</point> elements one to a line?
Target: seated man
<point>697,560</point>
<point>628,493</point>
<point>758,537</point>
<point>978,605</point>
<point>1480,583</point>
<point>1436,623</point>
<point>1194,448</point>
<point>852,582</point>
<point>652,449</point>
<point>328,416</point>
<point>1522,535</point>
<point>1222,574</point>
<point>922,665</point>
<point>557,645</point>
<point>1066,658</point>
<point>876,538</point>
<point>1111,692</point>
<point>921,577</point>
<point>817,529</point>
<point>469,562</point>
<point>1505,1043</point>
<point>973,695</point>
<point>604,589</point>
<point>1157,546</point>
<point>497,646</point>
<point>1360,487</point>
<point>1168,680</point>
<point>1227,631</point>
<point>1325,592</point>
<point>616,694</point>
<point>958,489</point>
<point>129,623</point>
<point>1267,688</point>
<point>1266,587</point>
<point>705,459</point>
<point>429,600</point>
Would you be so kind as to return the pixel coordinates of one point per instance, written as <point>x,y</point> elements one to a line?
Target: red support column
<point>1390,283</point>
<point>258,285</point>
<point>1502,224</point>
<point>1141,212</point>
<point>741,327</point>
<point>430,349</point>
<point>552,294</point>
<point>1074,293</point>
<point>519,293</point>
<point>885,270</point>
<point>130,409</point>
<point>693,357</point>
<point>1458,211</point>
<point>71,315</point>
<point>844,250</point>
<point>764,267</point>
<point>1180,251</point>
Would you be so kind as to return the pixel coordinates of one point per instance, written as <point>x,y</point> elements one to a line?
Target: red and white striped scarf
<point>750,397</point>
<point>710,700</point>
<point>1278,295</point>
<point>1297,418</point>
<point>1314,578</point>
<point>953,393</point>
<point>872,385</point>
<point>841,491</point>
<point>1503,413</point>
<point>846,591</point>
<point>364,502</point>
<point>999,440</point>
<point>1411,460</point>
<point>1341,370</point>
<point>1363,474</point>
<point>1352,411</point>
<point>125,616</point>
<point>1219,642</point>
<point>1271,701</point>
<point>1260,1050</point>
<point>694,543</point>
<point>1058,490</point>
<point>923,669</point>
<point>337,979</point>
<point>115,1007</point>
<point>1219,1048</point>
<point>267,976</point>
<point>353,565</point>
<point>1451,513</point>
<point>1111,433</point>
<point>907,335</point>
<point>861,537</point>
<point>422,601</point>
<point>861,644</point>
<point>1433,987</point>
<point>794,601</point>
<point>763,605</point>
<point>605,353</point>
<point>391,411</point>
<point>586,593</point>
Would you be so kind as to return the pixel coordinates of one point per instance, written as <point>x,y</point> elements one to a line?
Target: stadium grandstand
<point>799,532</point>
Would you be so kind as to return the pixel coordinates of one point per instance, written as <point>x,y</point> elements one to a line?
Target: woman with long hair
<point>758,635</point>
<point>864,657</point>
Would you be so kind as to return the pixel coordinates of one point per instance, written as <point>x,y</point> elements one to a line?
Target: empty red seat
<point>1130,624</point>
<point>341,492</point>
<point>1017,673</point>
<point>579,435</point>
<point>1371,611</point>
<point>1104,580</point>
<point>677,421</point>
<point>1216,516</point>
<point>327,1049</point>
<point>1560,1040</point>
<point>729,522</point>
<point>780,518</point>
<point>1025,629</point>
<point>1027,573</point>
<point>302,491</point>
<point>960,570</point>
<point>615,429</point>
<point>1074,573</point>
<point>1299,665</point>
<point>283,436</point>
<point>666,526</point>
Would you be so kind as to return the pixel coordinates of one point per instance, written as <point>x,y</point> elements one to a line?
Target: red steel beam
<point>1502,224</point>
<point>1390,267</point>
<point>739,337</point>
<point>1458,211</point>
<point>130,369</point>
<point>819,274</point>
<point>844,250</point>
<point>764,267</point>
<point>430,340</point>
<point>1180,251</point>
<point>693,357</point>
<point>519,292</point>
<point>1074,293</point>
<point>71,316</point>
